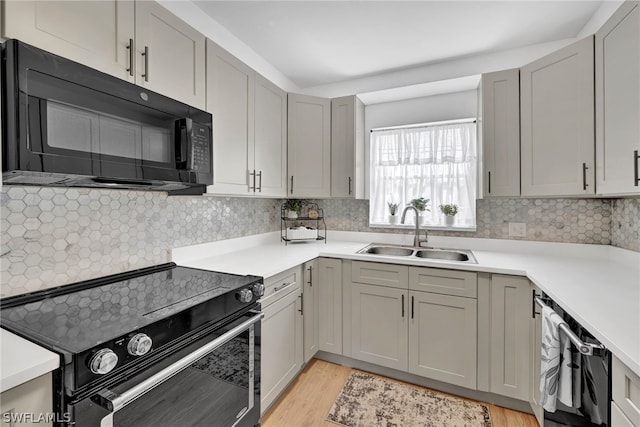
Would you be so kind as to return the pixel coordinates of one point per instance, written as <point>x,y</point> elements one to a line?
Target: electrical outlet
<point>517,229</point>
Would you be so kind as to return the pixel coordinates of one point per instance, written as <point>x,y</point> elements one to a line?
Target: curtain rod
<point>426,125</point>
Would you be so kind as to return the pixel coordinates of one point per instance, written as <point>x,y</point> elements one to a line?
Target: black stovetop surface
<point>82,319</point>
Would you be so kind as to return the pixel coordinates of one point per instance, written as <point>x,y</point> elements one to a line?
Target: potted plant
<point>393,209</point>
<point>449,212</point>
<point>420,204</point>
<point>292,208</point>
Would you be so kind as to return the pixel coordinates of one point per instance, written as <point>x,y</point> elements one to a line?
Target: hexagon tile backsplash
<point>55,236</point>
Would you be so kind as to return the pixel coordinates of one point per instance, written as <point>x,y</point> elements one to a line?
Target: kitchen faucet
<point>416,238</point>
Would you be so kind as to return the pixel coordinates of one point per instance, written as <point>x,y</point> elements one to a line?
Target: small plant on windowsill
<point>393,210</point>
<point>293,208</point>
<point>449,212</point>
<point>420,204</point>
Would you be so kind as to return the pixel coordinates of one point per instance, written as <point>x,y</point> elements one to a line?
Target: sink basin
<point>442,254</point>
<point>389,250</point>
<point>455,255</point>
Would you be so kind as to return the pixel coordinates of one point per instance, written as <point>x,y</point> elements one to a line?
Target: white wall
<point>450,106</point>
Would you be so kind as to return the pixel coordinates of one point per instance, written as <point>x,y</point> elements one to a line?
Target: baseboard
<point>495,399</point>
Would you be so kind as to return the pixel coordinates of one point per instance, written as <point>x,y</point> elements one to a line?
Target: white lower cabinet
<point>379,325</point>
<point>504,313</point>
<point>32,397</point>
<point>425,333</point>
<point>618,418</point>
<point>330,305</point>
<point>626,394</point>
<point>442,338</point>
<point>282,335</point>
<point>310,288</point>
<point>535,332</point>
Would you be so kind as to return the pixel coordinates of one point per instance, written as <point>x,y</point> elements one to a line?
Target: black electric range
<point>110,329</point>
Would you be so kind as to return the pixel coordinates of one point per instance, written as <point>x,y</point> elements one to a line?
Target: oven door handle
<point>115,401</point>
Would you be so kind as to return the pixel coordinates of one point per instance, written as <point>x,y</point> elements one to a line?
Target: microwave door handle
<point>114,402</point>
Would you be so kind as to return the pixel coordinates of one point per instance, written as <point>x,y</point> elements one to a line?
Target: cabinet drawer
<point>447,282</point>
<point>626,391</point>
<point>275,287</point>
<point>373,273</point>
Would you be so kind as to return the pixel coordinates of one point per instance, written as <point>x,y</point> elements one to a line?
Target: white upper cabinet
<point>557,123</point>
<point>270,138</point>
<point>618,102</point>
<point>309,155</point>
<point>500,135</point>
<point>347,147</point>
<point>140,41</point>
<point>249,128</point>
<point>170,55</point>
<point>95,33</point>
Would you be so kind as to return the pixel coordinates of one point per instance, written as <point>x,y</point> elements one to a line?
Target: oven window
<point>217,390</point>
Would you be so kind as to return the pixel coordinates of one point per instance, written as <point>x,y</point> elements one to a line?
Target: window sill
<point>468,229</point>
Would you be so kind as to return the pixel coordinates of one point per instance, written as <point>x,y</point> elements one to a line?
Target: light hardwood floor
<point>308,399</point>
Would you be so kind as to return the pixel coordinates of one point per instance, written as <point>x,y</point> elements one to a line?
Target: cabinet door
<point>347,136</point>
<point>379,325</point>
<point>618,102</point>
<point>281,357</point>
<point>93,33</point>
<point>442,338</point>
<point>230,91</point>
<point>170,55</point>
<point>330,305</point>
<point>309,155</point>
<point>557,123</point>
<point>510,343</point>
<point>535,331</point>
<point>33,397</point>
<point>270,138</point>
<point>625,390</point>
<point>501,133</point>
<point>618,418</point>
<point>310,306</point>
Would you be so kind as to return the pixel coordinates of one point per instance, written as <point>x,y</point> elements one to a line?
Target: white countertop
<point>597,285</point>
<point>21,360</point>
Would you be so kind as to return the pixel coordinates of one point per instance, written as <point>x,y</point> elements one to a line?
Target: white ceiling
<point>316,43</point>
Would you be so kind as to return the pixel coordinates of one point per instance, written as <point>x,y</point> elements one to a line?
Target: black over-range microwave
<point>65,124</point>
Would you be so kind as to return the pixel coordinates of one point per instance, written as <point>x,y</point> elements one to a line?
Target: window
<point>434,161</point>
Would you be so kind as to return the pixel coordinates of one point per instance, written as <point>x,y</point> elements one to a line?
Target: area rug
<point>367,400</point>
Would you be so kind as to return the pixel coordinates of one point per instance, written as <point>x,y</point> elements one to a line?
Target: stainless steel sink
<point>389,250</point>
<point>448,255</point>
<point>455,255</point>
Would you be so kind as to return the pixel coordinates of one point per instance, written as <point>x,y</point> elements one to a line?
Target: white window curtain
<point>437,162</point>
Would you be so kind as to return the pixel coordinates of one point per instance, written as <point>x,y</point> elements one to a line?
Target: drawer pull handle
<point>310,276</point>
<point>279,288</point>
<point>301,305</point>
<point>402,306</point>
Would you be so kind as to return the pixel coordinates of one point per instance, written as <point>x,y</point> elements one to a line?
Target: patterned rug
<point>367,400</point>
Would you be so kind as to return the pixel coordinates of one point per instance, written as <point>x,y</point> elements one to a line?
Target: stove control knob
<point>139,344</point>
<point>103,361</point>
<point>258,289</point>
<point>244,295</point>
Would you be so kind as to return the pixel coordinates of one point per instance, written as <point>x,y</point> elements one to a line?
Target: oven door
<point>213,381</point>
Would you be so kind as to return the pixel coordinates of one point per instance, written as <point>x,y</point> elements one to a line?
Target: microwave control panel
<point>201,148</point>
